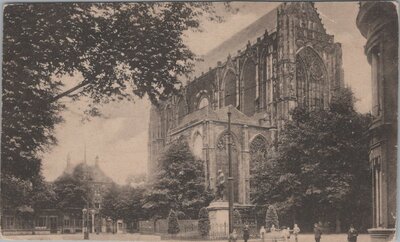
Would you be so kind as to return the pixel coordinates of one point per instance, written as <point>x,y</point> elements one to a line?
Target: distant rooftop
<point>95,172</point>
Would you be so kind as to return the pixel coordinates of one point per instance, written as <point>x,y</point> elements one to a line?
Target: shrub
<point>271,217</point>
<point>204,222</point>
<point>173,225</point>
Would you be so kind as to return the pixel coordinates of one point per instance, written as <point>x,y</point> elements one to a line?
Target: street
<point>140,237</point>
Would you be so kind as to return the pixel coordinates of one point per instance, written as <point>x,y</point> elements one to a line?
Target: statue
<point>220,186</point>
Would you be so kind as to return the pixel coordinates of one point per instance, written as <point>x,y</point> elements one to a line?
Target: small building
<point>25,220</point>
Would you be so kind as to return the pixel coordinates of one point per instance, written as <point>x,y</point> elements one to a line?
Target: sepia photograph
<point>185,121</point>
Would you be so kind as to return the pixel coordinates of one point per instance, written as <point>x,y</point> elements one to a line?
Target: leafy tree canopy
<point>180,184</point>
<point>123,202</point>
<point>116,50</point>
<point>321,166</point>
<point>73,190</point>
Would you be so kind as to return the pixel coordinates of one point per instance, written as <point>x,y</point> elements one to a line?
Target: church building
<point>283,60</point>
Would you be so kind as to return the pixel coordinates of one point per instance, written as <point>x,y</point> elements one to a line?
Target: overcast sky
<point>120,138</point>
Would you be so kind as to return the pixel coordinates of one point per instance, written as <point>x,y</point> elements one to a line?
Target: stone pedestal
<point>218,212</point>
<point>381,234</point>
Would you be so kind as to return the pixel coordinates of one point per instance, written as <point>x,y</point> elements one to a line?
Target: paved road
<point>139,237</point>
<point>74,237</point>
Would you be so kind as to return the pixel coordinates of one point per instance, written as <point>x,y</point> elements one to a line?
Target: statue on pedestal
<point>219,195</point>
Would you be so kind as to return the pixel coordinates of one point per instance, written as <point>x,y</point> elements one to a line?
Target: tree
<point>43,194</point>
<point>112,204</point>
<point>14,192</point>
<point>271,217</point>
<point>118,50</point>
<point>179,185</point>
<point>321,171</point>
<point>173,225</point>
<point>204,222</point>
<point>123,202</point>
<point>73,190</point>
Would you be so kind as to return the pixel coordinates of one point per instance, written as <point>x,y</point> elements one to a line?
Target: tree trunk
<point>338,223</point>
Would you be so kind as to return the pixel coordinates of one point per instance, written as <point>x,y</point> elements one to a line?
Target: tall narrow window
<point>311,79</point>
<point>230,89</point>
<point>375,82</point>
<point>250,88</point>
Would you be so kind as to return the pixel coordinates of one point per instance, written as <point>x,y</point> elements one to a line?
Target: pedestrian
<point>317,233</point>
<point>262,233</point>
<point>285,233</point>
<point>233,236</point>
<point>296,231</point>
<point>273,229</point>
<point>352,234</point>
<point>246,233</point>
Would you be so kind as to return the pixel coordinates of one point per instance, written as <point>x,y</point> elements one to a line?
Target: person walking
<point>296,231</point>
<point>262,233</point>
<point>285,233</point>
<point>246,233</point>
<point>317,233</point>
<point>352,234</point>
<point>233,236</point>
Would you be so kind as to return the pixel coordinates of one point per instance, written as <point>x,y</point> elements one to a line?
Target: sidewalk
<point>139,237</point>
<point>301,238</point>
<point>75,237</point>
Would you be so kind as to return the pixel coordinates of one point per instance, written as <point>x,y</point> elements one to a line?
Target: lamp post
<point>85,223</point>
<point>93,211</point>
<point>230,175</point>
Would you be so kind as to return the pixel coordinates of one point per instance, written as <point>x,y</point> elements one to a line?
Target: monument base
<point>381,234</point>
<point>218,212</point>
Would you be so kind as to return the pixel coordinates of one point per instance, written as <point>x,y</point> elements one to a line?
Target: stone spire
<point>68,168</point>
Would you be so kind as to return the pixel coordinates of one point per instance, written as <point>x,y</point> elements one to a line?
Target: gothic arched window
<point>311,79</point>
<point>249,94</point>
<point>230,89</point>
<point>258,155</point>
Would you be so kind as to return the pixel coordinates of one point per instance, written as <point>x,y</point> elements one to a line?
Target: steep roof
<point>96,174</point>
<point>99,175</point>
<point>238,41</point>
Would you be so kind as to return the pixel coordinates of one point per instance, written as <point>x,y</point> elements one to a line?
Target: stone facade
<point>294,63</point>
<point>378,23</point>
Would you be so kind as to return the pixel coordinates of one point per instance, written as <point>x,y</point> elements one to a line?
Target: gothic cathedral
<point>283,60</point>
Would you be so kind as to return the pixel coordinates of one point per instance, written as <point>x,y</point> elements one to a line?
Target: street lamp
<point>230,176</point>
<point>85,223</point>
<point>93,212</point>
